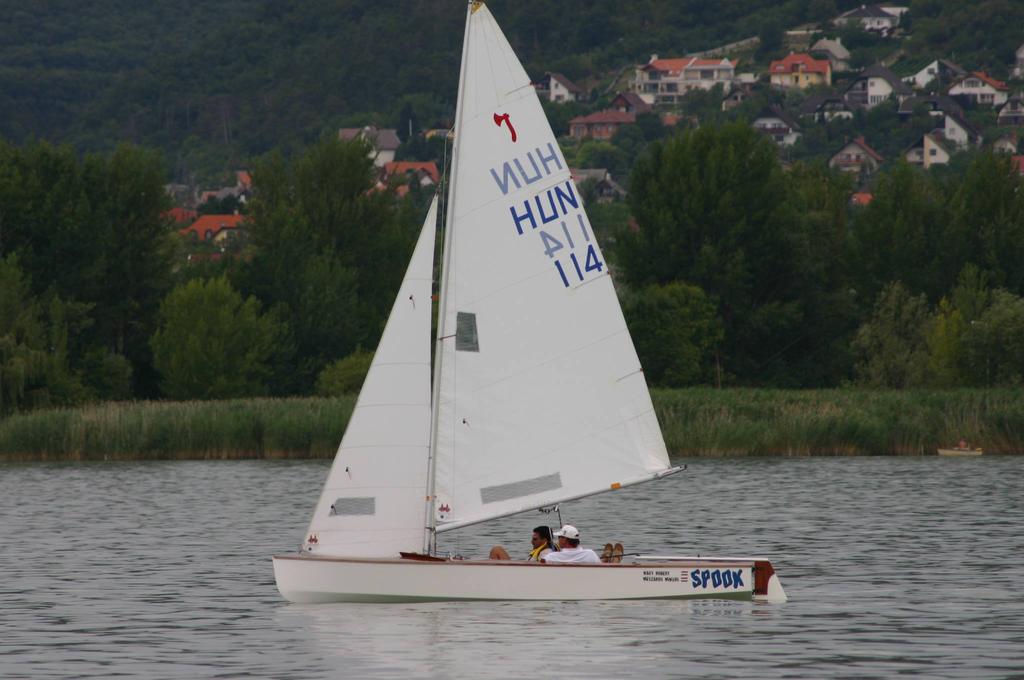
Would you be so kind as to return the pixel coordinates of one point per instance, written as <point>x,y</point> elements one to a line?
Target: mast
<point>429,534</point>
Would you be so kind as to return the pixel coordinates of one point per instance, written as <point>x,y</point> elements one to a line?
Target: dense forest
<point>737,271</point>
<point>213,84</point>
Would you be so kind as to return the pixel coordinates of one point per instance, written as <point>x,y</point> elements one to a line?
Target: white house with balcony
<point>664,81</point>
<point>981,89</point>
<point>777,124</point>
<point>874,85</point>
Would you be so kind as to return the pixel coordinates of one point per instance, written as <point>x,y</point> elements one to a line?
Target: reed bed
<point>743,422</point>
<point>242,428</point>
<point>695,422</point>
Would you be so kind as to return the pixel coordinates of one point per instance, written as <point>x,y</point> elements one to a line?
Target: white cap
<point>569,531</point>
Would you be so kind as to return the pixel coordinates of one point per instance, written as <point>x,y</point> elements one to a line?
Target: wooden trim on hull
<point>320,579</point>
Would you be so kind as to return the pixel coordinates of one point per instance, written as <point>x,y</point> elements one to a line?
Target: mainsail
<point>540,394</point>
<point>372,503</point>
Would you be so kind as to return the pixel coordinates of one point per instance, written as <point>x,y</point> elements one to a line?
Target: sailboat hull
<point>315,579</point>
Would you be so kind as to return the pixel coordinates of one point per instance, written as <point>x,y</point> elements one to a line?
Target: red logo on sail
<point>503,118</point>
<point>444,508</point>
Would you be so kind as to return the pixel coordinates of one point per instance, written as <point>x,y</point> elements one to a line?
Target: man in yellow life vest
<point>541,542</point>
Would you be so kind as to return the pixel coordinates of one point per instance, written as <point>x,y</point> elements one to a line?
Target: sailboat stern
<point>767,586</point>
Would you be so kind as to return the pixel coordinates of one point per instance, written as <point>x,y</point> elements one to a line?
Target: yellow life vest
<point>535,553</point>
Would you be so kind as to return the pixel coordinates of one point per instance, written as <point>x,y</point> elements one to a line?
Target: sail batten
<point>615,486</point>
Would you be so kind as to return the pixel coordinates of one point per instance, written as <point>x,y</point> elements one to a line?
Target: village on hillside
<point>809,99</point>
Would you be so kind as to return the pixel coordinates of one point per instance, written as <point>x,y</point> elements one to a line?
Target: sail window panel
<point>466,337</point>
<point>354,506</point>
<point>526,487</point>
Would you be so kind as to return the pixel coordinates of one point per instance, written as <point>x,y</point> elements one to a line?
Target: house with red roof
<point>213,228</point>
<point>601,125</point>
<point>861,199</point>
<point>800,71</point>
<point>425,171</point>
<point>181,215</point>
<point>856,157</point>
<point>664,81</point>
<point>980,88</point>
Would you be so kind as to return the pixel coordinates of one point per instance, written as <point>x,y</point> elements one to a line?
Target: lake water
<point>893,566</point>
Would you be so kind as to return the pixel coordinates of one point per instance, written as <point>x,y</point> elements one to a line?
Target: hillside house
<point>242,190</point>
<point>874,85</point>
<point>384,142</point>
<point>937,74</point>
<point>957,130</point>
<point>401,173</point>
<point>664,81</point>
<point>981,89</point>
<point>1012,112</point>
<point>928,151</point>
<point>736,96</point>
<point>601,125</point>
<point>213,228</point>
<point>826,108</point>
<point>861,199</point>
<point>605,188</point>
<point>800,71</point>
<point>877,18</point>
<point>935,104</point>
<point>555,87</point>
<point>833,50</point>
<point>630,102</point>
<point>181,216</point>
<point>1007,143</point>
<point>777,124</point>
<point>1018,66</point>
<point>856,157</point>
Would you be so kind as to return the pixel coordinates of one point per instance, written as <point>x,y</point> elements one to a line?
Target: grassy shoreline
<point>696,422</point>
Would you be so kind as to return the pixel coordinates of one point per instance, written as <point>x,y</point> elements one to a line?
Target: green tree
<point>212,344</point>
<point>714,209</point>
<point>891,346</point>
<point>344,376</point>
<point>994,344</point>
<point>899,235</point>
<point>986,225</point>
<point>34,368</point>
<point>676,333</point>
<point>945,346</point>
<point>327,255</point>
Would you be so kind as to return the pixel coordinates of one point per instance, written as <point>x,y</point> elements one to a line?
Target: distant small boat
<point>960,452</point>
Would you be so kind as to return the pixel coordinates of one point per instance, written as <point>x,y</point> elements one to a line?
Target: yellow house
<point>800,71</point>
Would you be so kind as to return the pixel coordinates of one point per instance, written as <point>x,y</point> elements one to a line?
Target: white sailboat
<point>537,398</point>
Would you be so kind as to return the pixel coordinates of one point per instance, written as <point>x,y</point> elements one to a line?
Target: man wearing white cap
<point>569,550</point>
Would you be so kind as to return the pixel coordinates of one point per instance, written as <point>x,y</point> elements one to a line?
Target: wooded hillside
<point>214,83</point>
